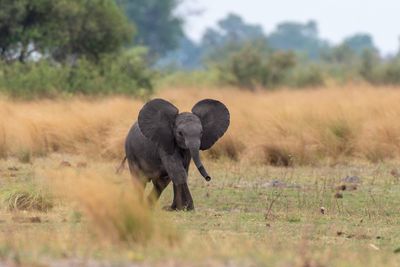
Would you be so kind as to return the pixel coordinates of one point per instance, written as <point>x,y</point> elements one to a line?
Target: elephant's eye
<point>180,133</point>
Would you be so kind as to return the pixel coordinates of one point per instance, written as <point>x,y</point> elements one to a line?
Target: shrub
<point>192,79</point>
<point>277,156</point>
<point>125,73</point>
<point>227,147</point>
<point>250,67</point>
<point>390,73</point>
<point>308,76</point>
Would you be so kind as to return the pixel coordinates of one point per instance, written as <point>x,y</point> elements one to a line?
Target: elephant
<point>161,144</point>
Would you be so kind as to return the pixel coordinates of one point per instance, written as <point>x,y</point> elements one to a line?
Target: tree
<point>92,28</point>
<point>232,29</point>
<point>298,37</point>
<point>340,54</point>
<point>188,56</point>
<point>252,66</point>
<point>360,42</point>
<point>231,35</point>
<point>158,27</point>
<point>25,27</point>
<point>61,28</point>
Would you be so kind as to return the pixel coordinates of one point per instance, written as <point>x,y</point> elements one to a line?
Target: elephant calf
<point>161,144</point>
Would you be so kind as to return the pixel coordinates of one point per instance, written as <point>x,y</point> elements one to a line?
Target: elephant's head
<point>161,122</point>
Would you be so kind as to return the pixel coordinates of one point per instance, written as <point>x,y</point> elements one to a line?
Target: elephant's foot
<point>182,198</point>
<point>188,206</point>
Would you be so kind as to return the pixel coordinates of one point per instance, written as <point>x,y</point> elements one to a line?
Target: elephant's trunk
<point>194,151</point>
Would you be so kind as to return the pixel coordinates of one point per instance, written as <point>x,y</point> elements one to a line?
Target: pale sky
<point>336,18</point>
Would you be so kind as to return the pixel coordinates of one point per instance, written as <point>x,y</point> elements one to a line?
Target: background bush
<point>125,73</point>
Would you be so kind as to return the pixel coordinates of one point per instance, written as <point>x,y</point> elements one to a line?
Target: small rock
<point>277,183</point>
<point>339,233</point>
<point>338,195</point>
<point>352,179</point>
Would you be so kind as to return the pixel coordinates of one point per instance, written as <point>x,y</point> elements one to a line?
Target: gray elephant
<point>161,144</point>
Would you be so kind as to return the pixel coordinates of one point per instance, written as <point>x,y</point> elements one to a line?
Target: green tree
<point>298,37</point>
<point>232,29</point>
<point>252,65</point>
<point>158,27</point>
<point>360,42</point>
<point>368,67</point>
<point>91,29</point>
<point>26,27</point>
<point>340,54</point>
<point>233,34</point>
<point>61,28</point>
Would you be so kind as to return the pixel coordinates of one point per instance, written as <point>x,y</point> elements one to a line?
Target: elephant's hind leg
<point>139,181</point>
<point>158,187</point>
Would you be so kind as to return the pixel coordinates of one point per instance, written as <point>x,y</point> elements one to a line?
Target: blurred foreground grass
<point>248,215</point>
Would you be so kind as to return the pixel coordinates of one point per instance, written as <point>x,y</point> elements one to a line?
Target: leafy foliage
<point>126,73</point>
<point>360,42</point>
<point>303,38</point>
<point>253,66</point>
<point>61,28</point>
<point>158,27</point>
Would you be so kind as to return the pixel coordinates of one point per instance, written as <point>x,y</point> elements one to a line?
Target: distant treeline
<point>293,55</point>
<point>53,47</point>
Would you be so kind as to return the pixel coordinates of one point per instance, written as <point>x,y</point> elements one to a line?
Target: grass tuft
<point>227,147</point>
<point>277,156</point>
<point>27,199</point>
<point>114,208</point>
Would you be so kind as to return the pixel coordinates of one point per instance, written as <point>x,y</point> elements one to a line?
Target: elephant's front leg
<point>182,198</point>
<point>174,166</point>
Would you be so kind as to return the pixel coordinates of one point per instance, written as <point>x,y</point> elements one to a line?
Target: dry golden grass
<point>115,209</point>
<point>302,127</point>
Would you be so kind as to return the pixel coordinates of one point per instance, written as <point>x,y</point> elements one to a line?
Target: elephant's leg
<point>188,200</point>
<point>158,187</point>
<point>139,181</point>
<point>175,168</point>
<point>177,203</point>
<point>182,198</point>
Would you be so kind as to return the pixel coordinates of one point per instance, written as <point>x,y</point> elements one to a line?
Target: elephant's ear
<point>214,117</point>
<point>156,121</point>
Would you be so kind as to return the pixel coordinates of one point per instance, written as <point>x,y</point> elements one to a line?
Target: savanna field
<point>307,178</point>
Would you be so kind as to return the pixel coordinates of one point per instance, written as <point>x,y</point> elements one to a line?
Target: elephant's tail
<point>121,166</point>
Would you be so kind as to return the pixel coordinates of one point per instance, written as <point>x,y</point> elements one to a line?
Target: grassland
<point>279,197</point>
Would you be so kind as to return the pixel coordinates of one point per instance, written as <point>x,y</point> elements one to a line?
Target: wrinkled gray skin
<point>160,146</point>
